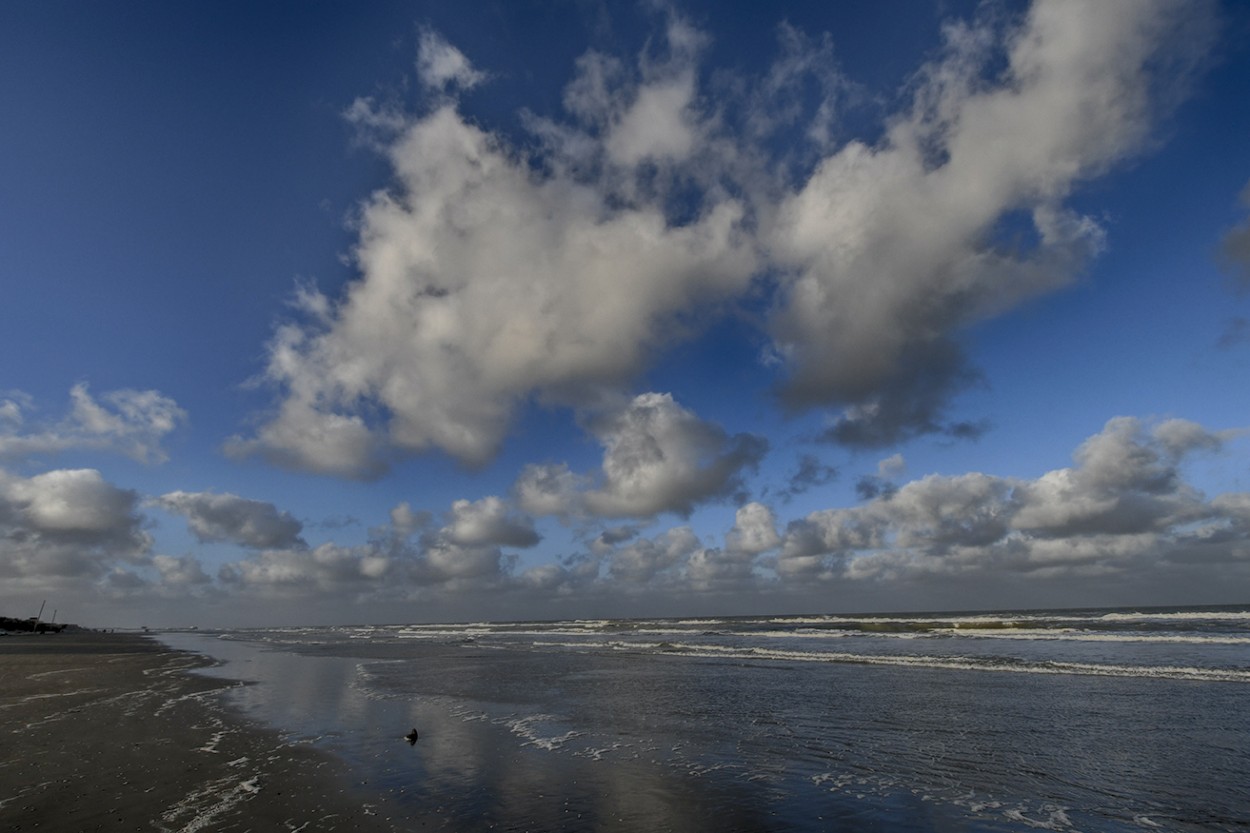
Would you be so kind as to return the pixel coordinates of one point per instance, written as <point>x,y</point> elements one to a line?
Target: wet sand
<point>110,732</point>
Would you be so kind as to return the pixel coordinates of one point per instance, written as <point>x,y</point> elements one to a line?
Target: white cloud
<point>656,126</point>
<point>491,277</point>
<point>67,524</point>
<point>633,117</point>
<point>658,457</point>
<point>405,521</point>
<point>13,404</point>
<point>227,517</point>
<point>302,436</point>
<point>485,282</point>
<point>449,562</point>
<point>128,422</point>
<point>570,576</point>
<point>377,570</point>
<point>71,535</point>
<point>1125,481</point>
<point>180,573</point>
<point>646,559</point>
<point>328,568</point>
<point>891,466</point>
<point>440,65</point>
<point>549,489</point>
<point>489,521</point>
<point>754,530</point>
<point>892,248</point>
<point>465,552</point>
<point>1125,503</point>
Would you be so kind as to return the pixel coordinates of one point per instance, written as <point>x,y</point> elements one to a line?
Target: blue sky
<point>312,313</point>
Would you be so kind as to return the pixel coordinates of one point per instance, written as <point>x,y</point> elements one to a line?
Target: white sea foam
<point>213,742</point>
<point>1074,635</point>
<point>29,697</point>
<point>200,809</point>
<point>1056,818</point>
<point>960,663</point>
<point>810,633</point>
<point>56,671</point>
<point>529,727</point>
<point>1184,615</point>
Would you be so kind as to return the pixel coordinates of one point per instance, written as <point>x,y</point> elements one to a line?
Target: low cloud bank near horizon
<point>1122,515</point>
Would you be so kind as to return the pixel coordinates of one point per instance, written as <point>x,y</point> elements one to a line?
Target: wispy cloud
<point>128,422</point>
<point>1235,249</point>
<point>441,65</point>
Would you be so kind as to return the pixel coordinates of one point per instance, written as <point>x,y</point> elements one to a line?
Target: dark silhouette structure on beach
<point>8,623</point>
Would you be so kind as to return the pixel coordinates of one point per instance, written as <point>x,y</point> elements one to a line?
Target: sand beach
<point>111,732</point>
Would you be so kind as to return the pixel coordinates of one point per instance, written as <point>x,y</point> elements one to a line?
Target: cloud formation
<point>128,422</point>
<point>810,474</point>
<point>489,521</point>
<point>441,65</point>
<point>658,457</point>
<point>400,561</point>
<point>484,281</point>
<point>1124,503</point>
<point>643,560</point>
<point>488,276</point>
<point>67,524</point>
<point>1235,249</point>
<point>893,248</point>
<point>1122,509</point>
<point>226,517</point>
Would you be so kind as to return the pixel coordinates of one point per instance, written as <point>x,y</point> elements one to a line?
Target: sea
<point>1064,720</point>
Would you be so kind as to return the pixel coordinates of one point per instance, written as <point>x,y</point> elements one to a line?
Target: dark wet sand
<point>110,732</point>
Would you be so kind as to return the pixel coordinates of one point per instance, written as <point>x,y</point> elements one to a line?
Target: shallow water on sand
<point>1091,722</point>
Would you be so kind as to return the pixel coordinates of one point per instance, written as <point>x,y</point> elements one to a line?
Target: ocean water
<point>1090,720</point>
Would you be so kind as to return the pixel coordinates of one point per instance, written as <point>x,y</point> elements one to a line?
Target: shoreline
<point>114,732</point>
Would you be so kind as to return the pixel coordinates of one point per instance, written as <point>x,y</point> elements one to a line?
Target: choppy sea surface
<point>1069,720</point>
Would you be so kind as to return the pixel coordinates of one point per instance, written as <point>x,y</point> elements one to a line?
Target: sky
<point>318,313</point>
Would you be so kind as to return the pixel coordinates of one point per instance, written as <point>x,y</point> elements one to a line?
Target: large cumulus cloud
<point>71,535</point>
<point>894,247</point>
<point>67,526</point>
<point>489,276</point>
<point>484,281</point>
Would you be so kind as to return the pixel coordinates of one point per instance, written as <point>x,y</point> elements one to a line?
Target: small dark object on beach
<point>411,737</point>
